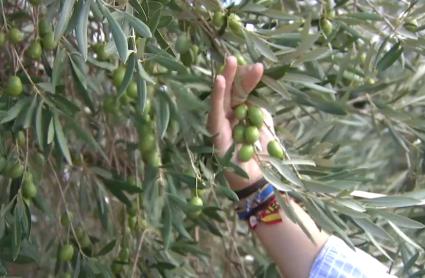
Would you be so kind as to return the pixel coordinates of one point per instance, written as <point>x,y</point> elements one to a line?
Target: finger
<point>247,79</point>
<point>229,74</point>
<point>217,114</point>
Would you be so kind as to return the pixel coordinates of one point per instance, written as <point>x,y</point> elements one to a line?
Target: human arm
<point>285,242</point>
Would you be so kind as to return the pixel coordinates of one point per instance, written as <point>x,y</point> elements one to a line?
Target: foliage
<point>103,138</point>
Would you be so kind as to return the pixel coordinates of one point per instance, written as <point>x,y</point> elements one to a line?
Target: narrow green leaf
<point>143,74</point>
<point>391,202</point>
<point>400,220</point>
<point>228,193</point>
<point>131,64</point>
<point>14,111</point>
<point>61,139</point>
<point>50,131</point>
<point>63,18</point>
<point>262,47</point>
<point>30,112</point>
<point>390,57</point>
<point>404,237</point>
<point>139,26</point>
<point>122,185</point>
<point>169,63</point>
<point>81,28</point>
<point>372,228</point>
<point>163,113</point>
<point>167,224</point>
<point>142,94</point>
<point>286,171</point>
<point>86,136</point>
<point>118,34</point>
<point>107,248</point>
<point>58,67</point>
<point>275,181</point>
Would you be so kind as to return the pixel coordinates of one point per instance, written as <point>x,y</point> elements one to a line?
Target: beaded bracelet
<point>247,205</point>
<point>268,215</point>
<point>259,207</point>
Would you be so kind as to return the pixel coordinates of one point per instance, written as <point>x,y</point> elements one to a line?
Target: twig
<point>139,248</point>
<point>66,208</point>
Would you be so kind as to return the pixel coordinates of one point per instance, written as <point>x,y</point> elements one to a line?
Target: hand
<point>221,121</point>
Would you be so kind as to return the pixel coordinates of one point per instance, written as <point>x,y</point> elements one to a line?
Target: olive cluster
<point>146,128</point>
<point>188,51</point>
<point>148,142</point>
<point>247,132</point>
<point>44,39</point>
<point>233,22</point>
<point>14,169</point>
<point>112,104</point>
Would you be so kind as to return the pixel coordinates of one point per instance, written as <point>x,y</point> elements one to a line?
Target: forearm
<point>287,244</point>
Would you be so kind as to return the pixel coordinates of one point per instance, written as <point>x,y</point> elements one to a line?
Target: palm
<point>231,89</point>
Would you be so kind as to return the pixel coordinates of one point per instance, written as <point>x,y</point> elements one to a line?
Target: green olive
<point>255,116</point>
<point>183,43</point>
<point>66,252</point>
<point>370,81</point>
<point>15,171</point>
<point>29,190</point>
<point>124,254</point>
<point>118,76</point>
<point>84,240</point>
<point>110,104</point>
<point>251,135</point>
<point>15,35</point>
<point>274,150</point>
<point>153,158</point>
<point>102,54</point>
<point>48,41</point>
<point>14,86</point>
<point>239,133</point>
<point>241,60</point>
<point>246,152</point>
<point>132,90</point>
<point>132,221</point>
<point>235,24</point>
<point>20,138</point>
<point>34,50</point>
<point>124,99</point>
<point>196,204</point>
<point>326,26</point>
<point>218,19</point>
<point>44,27</point>
<point>66,219</point>
<point>363,57</point>
<point>241,111</point>
<point>147,143</point>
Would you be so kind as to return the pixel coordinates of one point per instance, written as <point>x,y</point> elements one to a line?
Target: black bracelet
<point>251,189</point>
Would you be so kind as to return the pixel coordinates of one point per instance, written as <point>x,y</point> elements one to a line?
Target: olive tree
<point>106,164</point>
